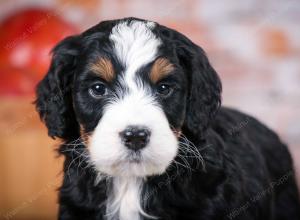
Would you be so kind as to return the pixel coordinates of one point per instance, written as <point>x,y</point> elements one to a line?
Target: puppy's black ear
<point>204,97</point>
<point>54,92</point>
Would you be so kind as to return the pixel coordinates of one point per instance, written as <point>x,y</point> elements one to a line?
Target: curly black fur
<point>246,173</point>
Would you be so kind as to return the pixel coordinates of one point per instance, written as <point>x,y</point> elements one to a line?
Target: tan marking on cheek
<point>177,132</point>
<point>85,137</point>
<point>104,68</point>
<point>87,141</point>
<point>161,68</point>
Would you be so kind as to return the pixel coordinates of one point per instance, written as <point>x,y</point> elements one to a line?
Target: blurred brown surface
<point>30,170</point>
<point>254,46</point>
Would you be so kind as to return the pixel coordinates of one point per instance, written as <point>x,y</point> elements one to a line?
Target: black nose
<point>135,138</point>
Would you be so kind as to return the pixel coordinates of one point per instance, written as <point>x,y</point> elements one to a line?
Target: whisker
<point>189,150</point>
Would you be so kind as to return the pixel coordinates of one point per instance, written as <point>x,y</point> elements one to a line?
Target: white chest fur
<point>124,200</point>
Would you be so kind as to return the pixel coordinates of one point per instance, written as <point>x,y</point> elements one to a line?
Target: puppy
<point>137,106</point>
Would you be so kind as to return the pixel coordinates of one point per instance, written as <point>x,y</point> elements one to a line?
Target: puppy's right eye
<point>164,89</point>
<point>98,90</point>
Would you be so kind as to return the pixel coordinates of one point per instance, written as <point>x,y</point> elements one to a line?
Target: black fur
<point>246,174</point>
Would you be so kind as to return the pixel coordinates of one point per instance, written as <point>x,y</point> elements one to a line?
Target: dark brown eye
<point>98,90</point>
<point>164,89</point>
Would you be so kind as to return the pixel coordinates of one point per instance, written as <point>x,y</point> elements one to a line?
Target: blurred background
<point>253,44</point>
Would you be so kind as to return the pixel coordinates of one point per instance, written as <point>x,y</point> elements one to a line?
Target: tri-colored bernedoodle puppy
<point>137,106</point>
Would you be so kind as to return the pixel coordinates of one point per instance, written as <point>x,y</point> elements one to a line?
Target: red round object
<point>26,39</point>
<point>16,82</point>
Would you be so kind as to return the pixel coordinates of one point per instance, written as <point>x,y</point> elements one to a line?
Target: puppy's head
<point>131,86</point>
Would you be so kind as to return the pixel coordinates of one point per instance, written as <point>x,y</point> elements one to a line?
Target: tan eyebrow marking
<point>104,68</point>
<point>161,68</point>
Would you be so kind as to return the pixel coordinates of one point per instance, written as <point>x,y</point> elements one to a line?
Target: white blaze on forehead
<point>135,45</point>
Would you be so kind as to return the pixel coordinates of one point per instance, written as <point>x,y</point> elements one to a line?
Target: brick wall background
<point>253,44</point>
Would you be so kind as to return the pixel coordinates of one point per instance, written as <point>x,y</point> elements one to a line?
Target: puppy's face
<point>131,95</point>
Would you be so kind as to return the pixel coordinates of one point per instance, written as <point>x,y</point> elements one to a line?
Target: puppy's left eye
<point>98,90</point>
<point>164,89</point>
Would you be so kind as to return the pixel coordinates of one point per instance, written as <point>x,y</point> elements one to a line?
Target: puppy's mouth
<point>133,164</point>
<point>134,157</point>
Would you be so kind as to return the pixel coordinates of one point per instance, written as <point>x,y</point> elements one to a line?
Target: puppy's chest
<point>124,199</point>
